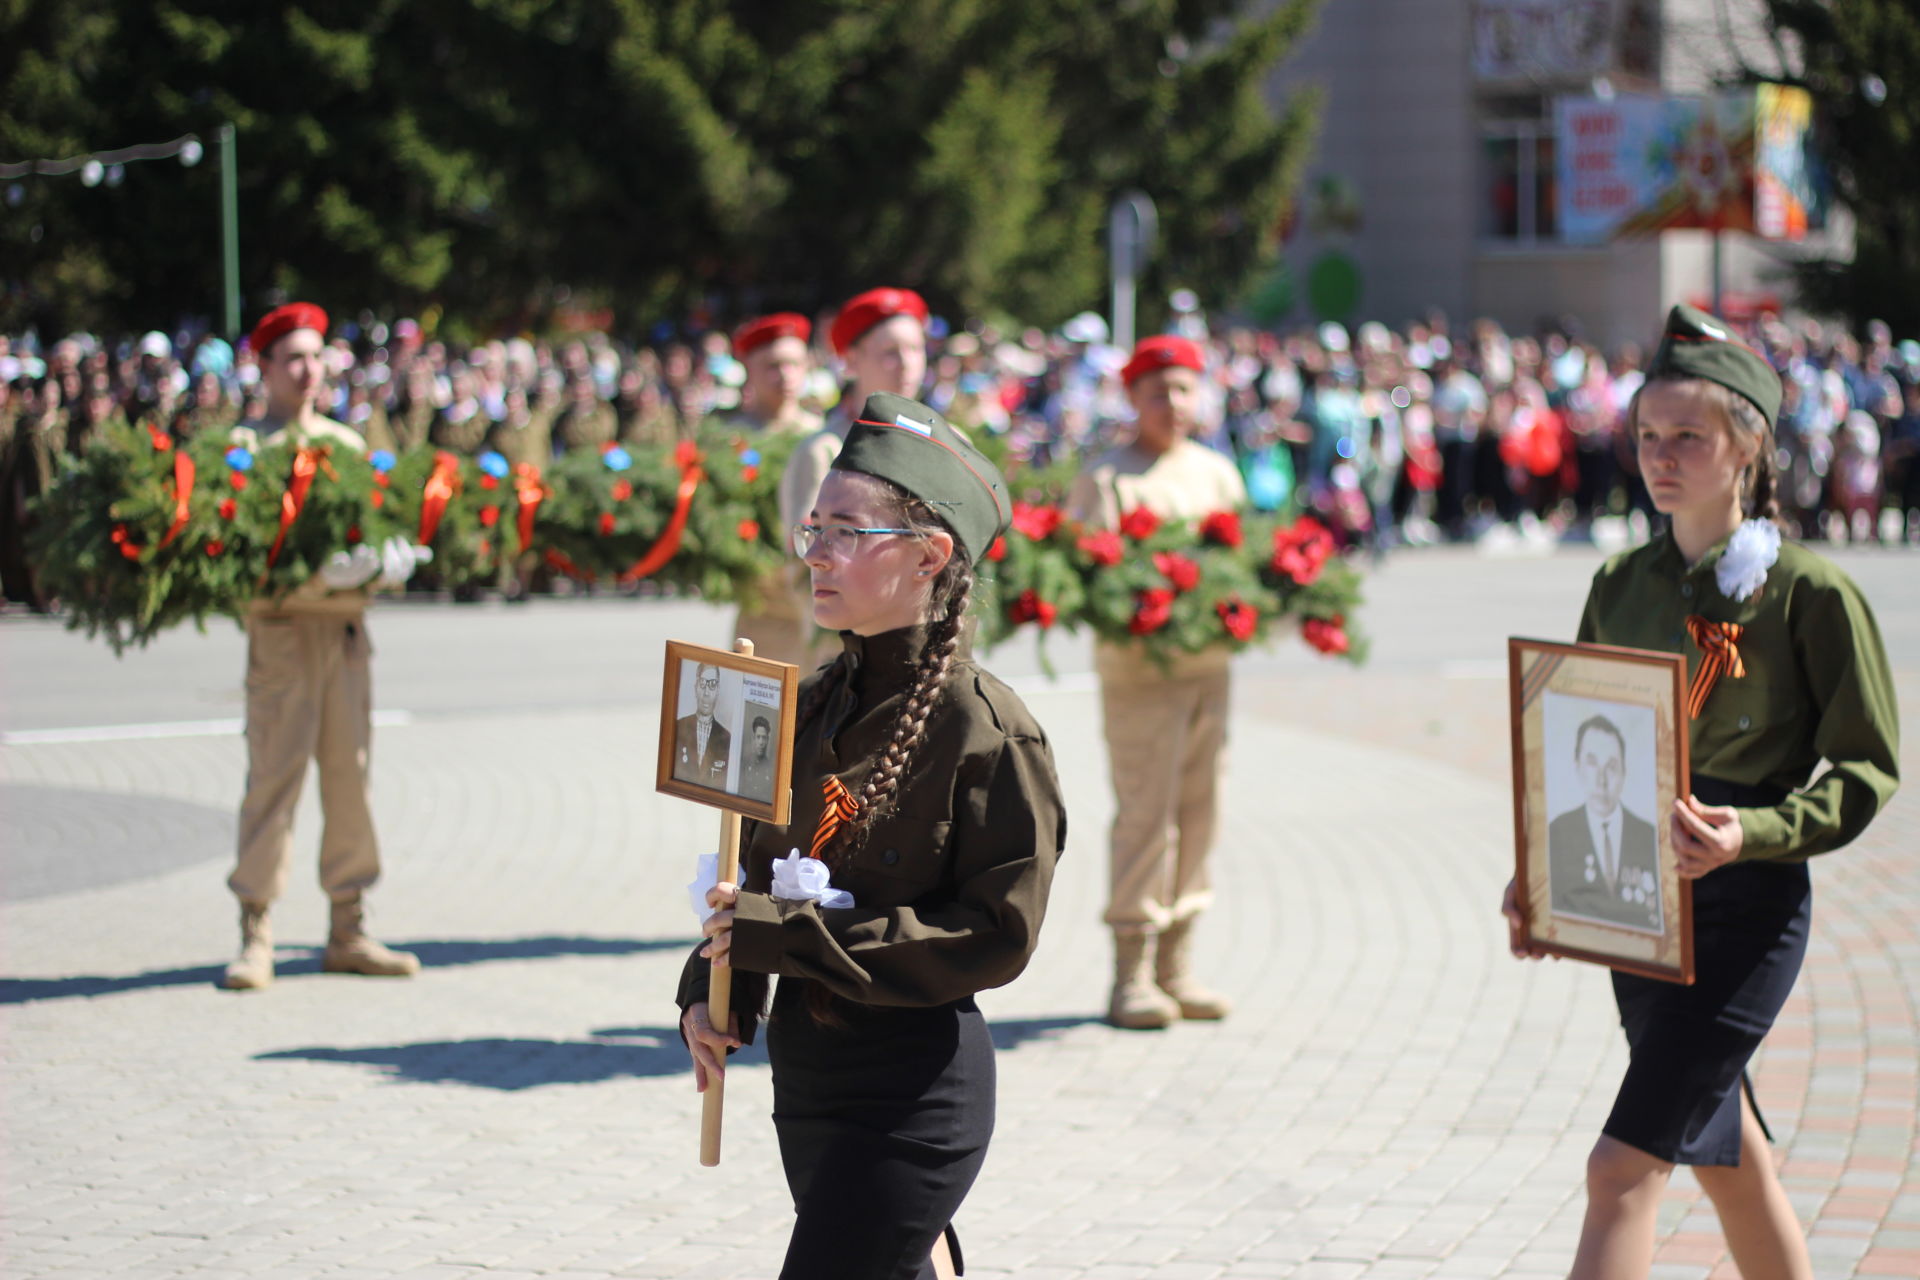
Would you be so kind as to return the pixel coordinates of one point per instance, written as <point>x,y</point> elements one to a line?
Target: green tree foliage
<point>1861,61</point>
<point>491,157</point>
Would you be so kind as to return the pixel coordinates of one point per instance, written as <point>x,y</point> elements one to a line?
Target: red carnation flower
<point>608,446</point>
<point>379,499</point>
<point>606,523</point>
<point>749,530</point>
<point>1222,528</point>
<point>1183,573</point>
<point>749,473</point>
<point>489,482</point>
<point>489,517</point>
<point>1153,609</point>
<point>1238,617</point>
<point>130,551</point>
<point>1301,550</point>
<point>622,491</point>
<point>1029,607</point>
<point>382,479</point>
<point>1037,522</point>
<point>237,479</point>
<point>161,440</point>
<point>1139,524</point>
<point>227,508</point>
<point>1326,635</point>
<point>1104,548</point>
<point>215,547</point>
<point>353,534</point>
<point>486,547</point>
<point>998,551</point>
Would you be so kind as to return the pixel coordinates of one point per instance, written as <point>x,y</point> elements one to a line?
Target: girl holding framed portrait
<point>927,790</point>
<point>1786,669</point>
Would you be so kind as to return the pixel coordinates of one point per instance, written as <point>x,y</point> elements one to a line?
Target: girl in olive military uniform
<point>929,791</point>
<point>1786,670</point>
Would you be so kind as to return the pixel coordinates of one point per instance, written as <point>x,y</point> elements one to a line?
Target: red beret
<point>758,333</point>
<point>869,309</point>
<point>281,321</point>
<point>1162,352</point>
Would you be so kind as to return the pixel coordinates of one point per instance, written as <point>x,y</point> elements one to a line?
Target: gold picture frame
<point>726,738</point>
<point>1599,757</point>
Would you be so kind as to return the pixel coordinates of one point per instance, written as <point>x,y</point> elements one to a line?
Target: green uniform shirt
<point>1817,687</point>
<point>949,886</point>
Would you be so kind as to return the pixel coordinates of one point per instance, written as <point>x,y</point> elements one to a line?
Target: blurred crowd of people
<point>1432,433</point>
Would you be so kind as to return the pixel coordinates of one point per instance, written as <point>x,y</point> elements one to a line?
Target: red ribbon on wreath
<point>563,563</point>
<point>182,494</point>
<point>669,542</point>
<point>306,464</point>
<point>437,493</point>
<point>528,491</point>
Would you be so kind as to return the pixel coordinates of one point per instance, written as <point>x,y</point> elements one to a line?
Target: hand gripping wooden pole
<point>720,983</point>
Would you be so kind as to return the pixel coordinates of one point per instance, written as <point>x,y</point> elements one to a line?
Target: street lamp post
<point>229,232</point>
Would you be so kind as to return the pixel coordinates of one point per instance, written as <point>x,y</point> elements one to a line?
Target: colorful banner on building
<point>1639,165</point>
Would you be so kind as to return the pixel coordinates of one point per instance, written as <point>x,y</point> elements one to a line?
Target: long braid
<point>882,786</point>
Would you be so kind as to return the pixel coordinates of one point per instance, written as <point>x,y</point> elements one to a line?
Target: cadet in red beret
<point>309,689</point>
<point>881,338</point>
<point>774,351</point>
<point>1165,728</point>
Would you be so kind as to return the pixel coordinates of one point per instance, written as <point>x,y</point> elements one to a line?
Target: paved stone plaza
<point>1395,1098</point>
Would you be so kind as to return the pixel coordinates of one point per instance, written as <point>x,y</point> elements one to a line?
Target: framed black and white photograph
<point>1599,755</point>
<point>726,730</point>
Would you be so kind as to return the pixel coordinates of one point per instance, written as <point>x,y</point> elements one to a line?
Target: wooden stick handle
<point>720,984</point>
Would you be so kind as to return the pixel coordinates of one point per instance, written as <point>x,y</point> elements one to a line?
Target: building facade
<point>1433,183</point>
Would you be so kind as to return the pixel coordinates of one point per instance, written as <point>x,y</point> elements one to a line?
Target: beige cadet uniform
<point>309,697</point>
<point>807,467</point>
<point>781,622</point>
<point>1165,729</point>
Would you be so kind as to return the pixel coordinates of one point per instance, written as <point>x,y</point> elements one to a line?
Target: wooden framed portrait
<point>726,731</point>
<point>1599,757</point>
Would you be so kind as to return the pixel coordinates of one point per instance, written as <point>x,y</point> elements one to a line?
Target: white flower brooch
<point>1751,551</point>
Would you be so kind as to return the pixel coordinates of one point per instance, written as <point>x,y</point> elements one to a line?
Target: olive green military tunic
<point>950,886</point>
<point>1816,687</point>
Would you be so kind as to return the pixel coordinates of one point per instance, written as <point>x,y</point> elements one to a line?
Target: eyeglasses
<point>840,540</point>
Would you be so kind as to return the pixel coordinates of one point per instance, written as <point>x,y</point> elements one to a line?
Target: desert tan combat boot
<point>1173,971</point>
<point>350,950</point>
<point>253,967</point>
<point>1137,1004</point>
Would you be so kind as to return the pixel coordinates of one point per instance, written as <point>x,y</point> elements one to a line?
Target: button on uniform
<point>1686,589</point>
<point>890,857</point>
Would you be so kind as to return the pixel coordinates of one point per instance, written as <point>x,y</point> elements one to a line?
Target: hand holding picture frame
<point>1599,757</point>
<point>726,740</point>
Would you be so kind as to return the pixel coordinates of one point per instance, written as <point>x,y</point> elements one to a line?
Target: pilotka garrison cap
<point>1695,345</point>
<point>910,445</point>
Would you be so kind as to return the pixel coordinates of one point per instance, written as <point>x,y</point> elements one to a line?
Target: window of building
<point>1517,182</point>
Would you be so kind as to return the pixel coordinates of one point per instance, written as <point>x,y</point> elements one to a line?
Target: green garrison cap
<point>1695,345</point>
<point>903,441</point>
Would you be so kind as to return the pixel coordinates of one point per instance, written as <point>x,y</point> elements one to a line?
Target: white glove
<point>398,559</point>
<point>797,878</point>
<point>346,570</point>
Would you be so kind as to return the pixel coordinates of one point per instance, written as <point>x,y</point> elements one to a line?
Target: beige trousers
<point>309,698</point>
<point>1164,741</point>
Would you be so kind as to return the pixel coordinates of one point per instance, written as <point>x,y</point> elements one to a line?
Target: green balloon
<point>1333,286</point>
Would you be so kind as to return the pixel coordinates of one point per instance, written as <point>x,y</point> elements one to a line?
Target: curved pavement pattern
<point>1394,1097</point>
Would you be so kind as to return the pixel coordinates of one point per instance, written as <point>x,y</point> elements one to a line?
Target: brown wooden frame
<point>785,675</point>
<point>1660,680</point>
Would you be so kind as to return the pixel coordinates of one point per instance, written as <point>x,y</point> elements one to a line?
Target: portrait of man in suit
<point>1603,859</point>
<point>701,744</point>
<point>757,760</point>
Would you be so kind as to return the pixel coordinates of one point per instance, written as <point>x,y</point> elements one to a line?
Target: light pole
<point>1131,228</point>
<point>229,232</point>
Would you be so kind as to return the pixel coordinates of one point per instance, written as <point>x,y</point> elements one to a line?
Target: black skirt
<point>1689,1045</point>
<point>883,1123</point>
